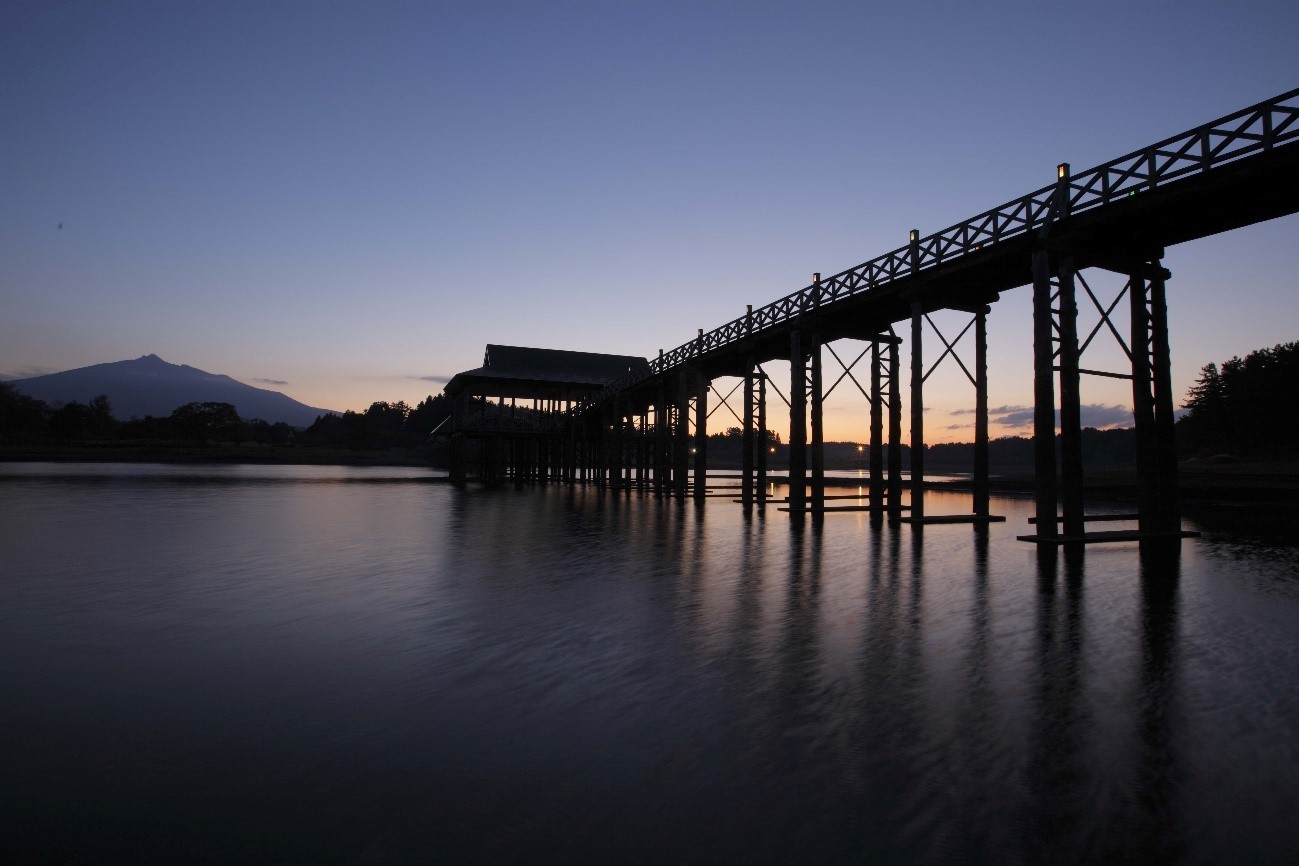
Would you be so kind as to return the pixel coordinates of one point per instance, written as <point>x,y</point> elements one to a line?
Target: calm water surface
<point>328,664</point>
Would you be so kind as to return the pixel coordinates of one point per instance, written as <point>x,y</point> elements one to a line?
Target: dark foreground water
<point>322,664</point>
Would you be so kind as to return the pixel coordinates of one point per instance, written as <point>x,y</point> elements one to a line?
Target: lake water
<point>330,664</point>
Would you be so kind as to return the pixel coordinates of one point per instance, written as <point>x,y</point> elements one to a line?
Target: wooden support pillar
<point>761,481</point>
<point>642,457</point>
<point>574,458</point>
<point>1071,468</point>
<point>583,463</point>
<point>1143,408</point>
<point>572,454</point>
<point>487,459</point>
<point>1162,379</point>
<point>747,441</point>
<point>797,423</point>
<point>1043,398</point>
<point>577,447</point>
<point>981,495</point>
<point>662,439</point>
<point>629,445</point>
<point>627,449</point>
<point>456,456</point>
<point>614,425</point>
<point>895,429</point>
<point>543,455</point>
<point>917,411</point>
<point>681,434</point>
<point>701,435</point>
<point>608,444</point>
<point>566,441</point>
<point>818,427</point>
<point>877,430</point>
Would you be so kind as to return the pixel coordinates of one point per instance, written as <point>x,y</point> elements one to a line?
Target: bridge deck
<point>1236,171</point>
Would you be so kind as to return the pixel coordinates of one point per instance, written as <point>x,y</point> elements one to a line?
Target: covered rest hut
<point>511,417</point>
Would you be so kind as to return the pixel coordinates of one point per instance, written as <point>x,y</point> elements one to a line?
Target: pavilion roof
<point>520,370</point>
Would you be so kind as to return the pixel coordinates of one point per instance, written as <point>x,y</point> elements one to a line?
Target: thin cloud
<point>1096,415</point>
<point>441,380</point>
<point>1013,417</point>
<point>994,410</point>
<point>270,381</point>
<point>1101,416</point>
<point>26,372</point>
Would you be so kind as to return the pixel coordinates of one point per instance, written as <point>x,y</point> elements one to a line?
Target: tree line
<point>1246,408</point>
<point>25,420</point>
<point>383,425</point>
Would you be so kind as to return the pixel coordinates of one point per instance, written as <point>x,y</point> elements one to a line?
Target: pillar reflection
<point>1061,818</point>
<point>1158,768</point>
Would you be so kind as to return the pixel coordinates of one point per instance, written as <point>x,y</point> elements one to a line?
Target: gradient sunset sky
<point>346,201</point>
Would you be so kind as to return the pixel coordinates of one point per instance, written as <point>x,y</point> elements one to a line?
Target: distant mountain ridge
<point>148,385</point>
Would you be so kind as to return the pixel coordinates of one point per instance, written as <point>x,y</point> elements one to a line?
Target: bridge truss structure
<point>649,428</point>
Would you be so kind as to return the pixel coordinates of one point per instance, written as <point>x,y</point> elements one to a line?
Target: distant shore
<point>225,453</point>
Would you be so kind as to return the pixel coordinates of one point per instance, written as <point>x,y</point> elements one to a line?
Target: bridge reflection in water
<point>398,672</point>
<point>925,696</point>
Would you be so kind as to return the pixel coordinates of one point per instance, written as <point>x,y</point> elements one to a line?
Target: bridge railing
<point>1250,131</point>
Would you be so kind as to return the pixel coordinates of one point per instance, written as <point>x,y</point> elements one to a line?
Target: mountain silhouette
<point>149,385</point>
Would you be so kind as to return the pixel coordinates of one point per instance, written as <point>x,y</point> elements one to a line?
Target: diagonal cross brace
<point>773,385</point>
<point>723,400</point>
<point>951,350</point>
<point>1105,317</point>
<point>847,371</point>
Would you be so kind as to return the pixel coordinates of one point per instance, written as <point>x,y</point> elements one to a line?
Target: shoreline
<point>1201,483</point>
<point>270,455</point>
<point>1274,485</point>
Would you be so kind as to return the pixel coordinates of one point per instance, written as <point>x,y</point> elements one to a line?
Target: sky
<point>347,201</point>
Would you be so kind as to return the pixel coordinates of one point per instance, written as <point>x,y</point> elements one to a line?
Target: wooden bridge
<point>649,427</point>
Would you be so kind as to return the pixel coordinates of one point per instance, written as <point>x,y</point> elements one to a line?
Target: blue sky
<point>354,198</point>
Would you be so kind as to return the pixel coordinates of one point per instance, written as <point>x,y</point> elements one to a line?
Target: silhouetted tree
<point>1245,407</point>
<point>22,418</point>
<point>147,427</point>
<point>266,433</point>
<point>71,421</point>
<point>207,421</point>
<point>386,419</point>
<point>102,423</point>
<point>426,416</point>
<point>326,432</point>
